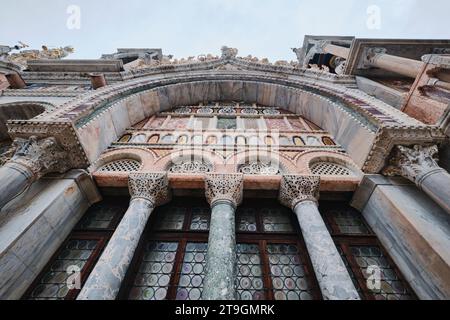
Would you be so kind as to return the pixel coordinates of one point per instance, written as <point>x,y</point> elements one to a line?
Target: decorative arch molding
<point>112,179</point>
<point>208,157</point>
<point>244,157</point>
<point>355,119</point>
<point>306,160</point>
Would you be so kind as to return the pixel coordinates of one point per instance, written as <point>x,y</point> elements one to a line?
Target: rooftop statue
<point>21,58</point>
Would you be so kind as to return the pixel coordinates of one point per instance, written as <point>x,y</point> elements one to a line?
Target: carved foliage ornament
<point>150,186</point>
<point>295,189</point>
<point>260,168</point>
<point>413,163</point>
<point>228,187</point>
<point>39,156</point>
<point>190,167</point>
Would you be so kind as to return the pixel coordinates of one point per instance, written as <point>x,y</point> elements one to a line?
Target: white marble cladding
<point>34,225</point>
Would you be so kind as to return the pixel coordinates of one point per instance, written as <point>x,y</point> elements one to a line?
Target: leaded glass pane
<point>156,269</point>
<point>289,278</point>
<point>102,216</point>
<point>246,219</point>
<point>276,220</point>
<point>53,284</point>
<point>249,281</point>
<point>348,221</point>
<point>200,218</point>
<point>190,285</point>
<point>369,259</point>
<point>171,218</point>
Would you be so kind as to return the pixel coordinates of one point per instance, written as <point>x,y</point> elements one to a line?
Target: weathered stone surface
<point>413,229</point>
<point>34,225</point>
<point>220,275</point>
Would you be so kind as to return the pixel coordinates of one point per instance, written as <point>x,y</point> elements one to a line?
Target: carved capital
<point>151,186</point>
<point>229,187</point>
<point>295,189</point>
<point>413,163</point>
<point>39,156</point>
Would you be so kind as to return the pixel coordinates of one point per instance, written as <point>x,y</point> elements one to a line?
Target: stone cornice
<point>295,189</point>
<point>224,187</point>
<point>64,133</point>
<point>150,186</point>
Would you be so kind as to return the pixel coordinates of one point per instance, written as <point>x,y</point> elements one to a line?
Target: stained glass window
<point>75,259</point>
<point>153,278</point>
<point>290,279</point>
<point>363,255</point>
<point>172,219</point>
<point>53,285</point>
<point>249,281</point>
<point>246,220</point>
<point>276,220</point>
<point>200,218</point>
<point>298,141</point>
<point>190,285</point>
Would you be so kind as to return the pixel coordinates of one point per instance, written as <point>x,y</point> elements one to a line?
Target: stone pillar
<point>224,194</point>
<point>147,191</point>
<point>301,193</point>
<point>419,165</point>
<point>378,58</point>
<point>27,161</point>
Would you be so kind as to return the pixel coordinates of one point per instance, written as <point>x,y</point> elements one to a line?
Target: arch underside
<point>100,118</point>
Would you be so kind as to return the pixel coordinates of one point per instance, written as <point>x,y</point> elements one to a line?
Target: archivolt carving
<point>295,189</point>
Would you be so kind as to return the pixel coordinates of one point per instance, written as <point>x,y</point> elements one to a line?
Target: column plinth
<point>301,193</point>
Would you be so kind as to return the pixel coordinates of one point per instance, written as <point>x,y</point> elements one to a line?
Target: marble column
<point>419,165</point>
<point>27,161</point>
<point>147,191</point>
<point>301,194</point>
<point>224,194</point>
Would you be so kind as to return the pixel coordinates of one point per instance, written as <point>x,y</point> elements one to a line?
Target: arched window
<point>139,138</point>
<point>122,165</point>
<point>211,140</point>
<point>268,140</point>
<point>330,169</point>
<point>154,139</point>
<point>183,139</point>
<point>298,141</point>
<point>254,141</point>
<point>197,139</point>
<point>241,140</point>
<point>285,141</point>
<point>328,141</point>
<point>312,141</point>
<point>226,140</point>
<point>125,138</point>
<point>168,139</point>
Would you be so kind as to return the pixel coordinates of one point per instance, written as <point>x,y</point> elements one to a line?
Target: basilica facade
<point>140,176</point>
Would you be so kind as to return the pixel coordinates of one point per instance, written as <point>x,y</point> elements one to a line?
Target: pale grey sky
<point>264,28</point>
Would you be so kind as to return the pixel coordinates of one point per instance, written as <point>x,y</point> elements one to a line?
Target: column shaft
<point>437,186</point>
<point>105,280</point>
<point>219,282</point>
<point>332,275</point>
<point>338,51</point>
<point>15,179</point>
<point>403,66</point>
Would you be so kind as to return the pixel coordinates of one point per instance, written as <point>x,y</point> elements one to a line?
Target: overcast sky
<point>264,28</point>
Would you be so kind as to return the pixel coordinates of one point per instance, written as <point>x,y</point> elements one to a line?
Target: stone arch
<point>111,179</point>
<point>207,156</point>
<point>243,157</point>
<point>305,160</point>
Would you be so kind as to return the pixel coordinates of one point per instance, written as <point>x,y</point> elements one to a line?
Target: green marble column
<point>224,193</point>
